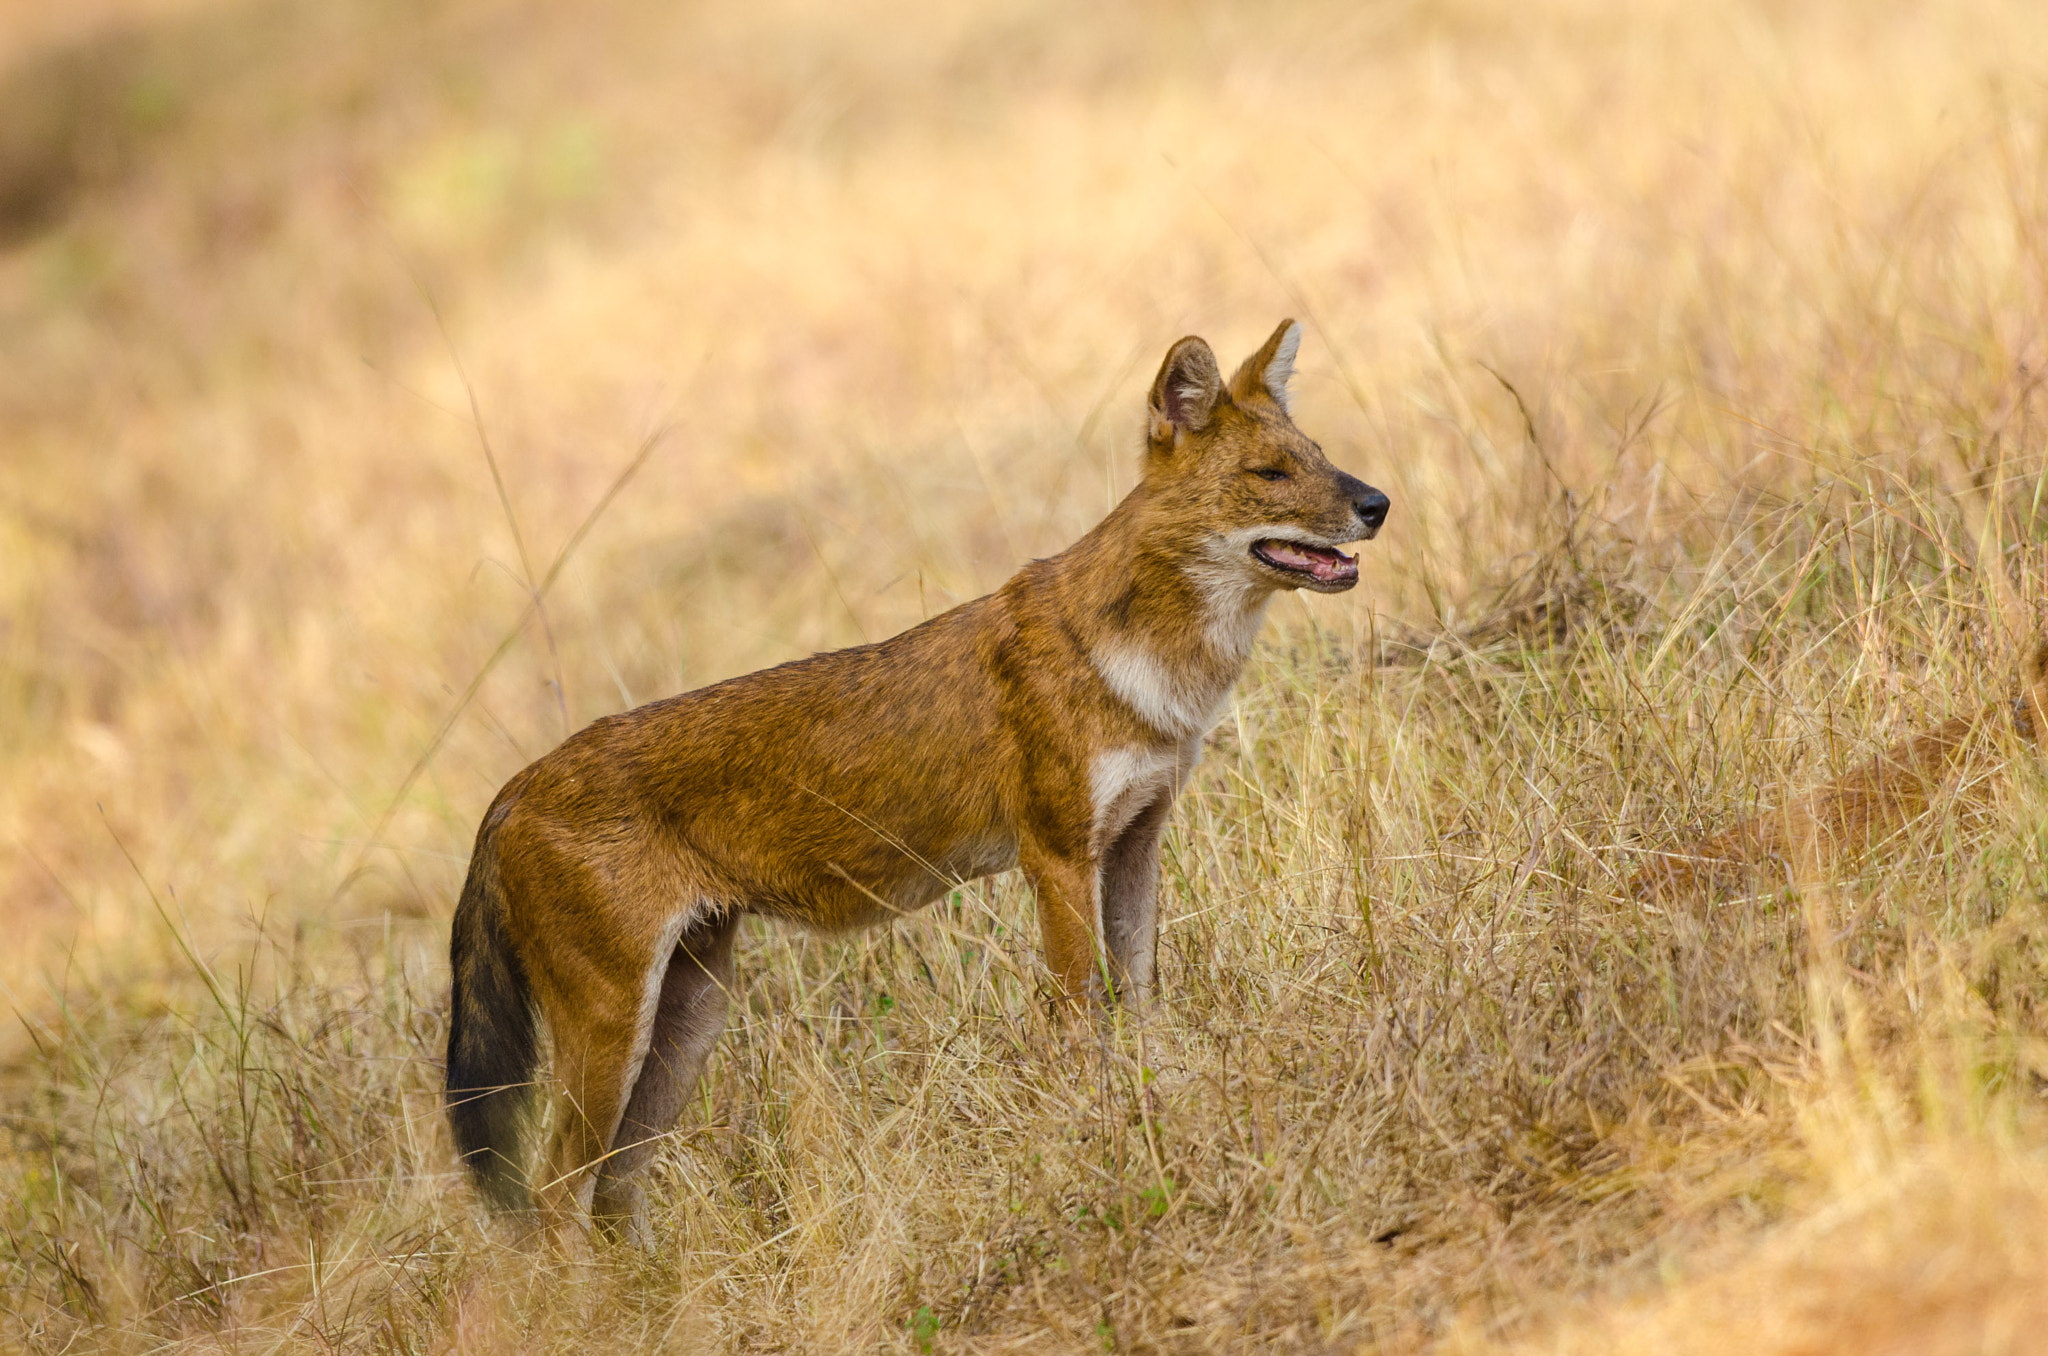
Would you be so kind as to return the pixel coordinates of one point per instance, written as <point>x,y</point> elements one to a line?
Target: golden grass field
<point>1700,347</point>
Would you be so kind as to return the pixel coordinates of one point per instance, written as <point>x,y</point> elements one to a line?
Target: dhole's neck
<point>1168,627</point>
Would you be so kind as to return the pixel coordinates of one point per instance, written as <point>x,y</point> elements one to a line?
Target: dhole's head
<point>1234,485</point>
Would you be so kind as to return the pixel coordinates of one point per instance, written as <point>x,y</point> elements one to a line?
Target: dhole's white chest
<point>1123,781</point>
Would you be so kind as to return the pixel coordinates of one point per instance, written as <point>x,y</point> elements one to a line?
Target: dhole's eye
<point>1269,473</point>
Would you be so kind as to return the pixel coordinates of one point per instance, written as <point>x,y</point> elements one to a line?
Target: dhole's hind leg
<point>600,990</point>
<point>594,1058</point>
<point>687,1020</point>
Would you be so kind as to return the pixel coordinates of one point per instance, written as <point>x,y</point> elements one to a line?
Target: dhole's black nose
<point>1372,507</point>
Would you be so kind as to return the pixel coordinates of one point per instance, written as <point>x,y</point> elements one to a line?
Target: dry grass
<point>1699,347</point>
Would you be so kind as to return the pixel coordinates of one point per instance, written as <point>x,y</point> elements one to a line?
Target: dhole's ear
<point>1267,372</point>
<point>1185,392</point>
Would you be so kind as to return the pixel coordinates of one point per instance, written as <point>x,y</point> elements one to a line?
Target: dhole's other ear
<point>1267,372</point>
<point>1185,392</point>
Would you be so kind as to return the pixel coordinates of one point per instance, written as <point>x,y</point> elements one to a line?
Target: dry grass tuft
<point>1699,348</point>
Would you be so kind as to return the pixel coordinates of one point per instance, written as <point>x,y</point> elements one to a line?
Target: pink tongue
<point>1322,564</point>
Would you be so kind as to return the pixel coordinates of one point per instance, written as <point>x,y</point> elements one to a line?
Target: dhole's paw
<point>621,1221</point>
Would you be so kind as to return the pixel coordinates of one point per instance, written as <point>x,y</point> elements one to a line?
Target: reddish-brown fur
<point>1847,818</point>
<point>1048,725</point>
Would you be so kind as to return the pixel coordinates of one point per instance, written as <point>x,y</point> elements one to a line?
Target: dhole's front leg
<point>1099,917</point>
<point>1068,887</point>
<point>1130,901</point>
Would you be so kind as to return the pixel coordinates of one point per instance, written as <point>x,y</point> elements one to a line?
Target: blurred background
<point>334,333</point>
<point>889,288</point>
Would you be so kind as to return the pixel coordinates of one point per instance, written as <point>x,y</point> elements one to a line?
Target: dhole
<point>1834,824</point>
<point>1048,725</point>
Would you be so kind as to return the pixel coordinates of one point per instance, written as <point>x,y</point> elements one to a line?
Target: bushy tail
<point>493,1039</point>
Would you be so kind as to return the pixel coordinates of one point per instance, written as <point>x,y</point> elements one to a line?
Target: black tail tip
<point>488,1124</point>
<point>500,1182</point>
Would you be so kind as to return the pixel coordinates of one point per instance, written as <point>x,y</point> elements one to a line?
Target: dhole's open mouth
<point>1319,566</point>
